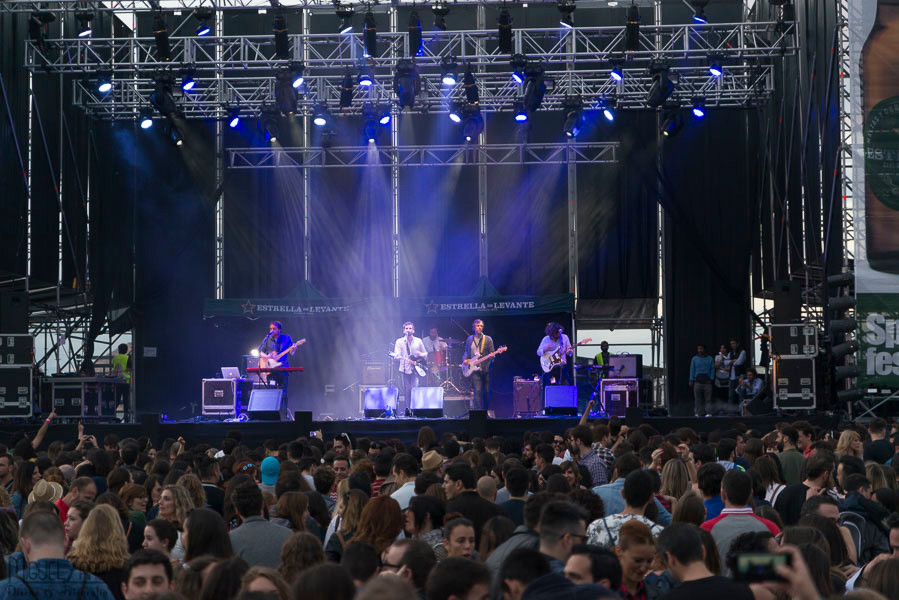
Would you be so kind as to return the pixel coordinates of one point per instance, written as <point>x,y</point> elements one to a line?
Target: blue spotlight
<point>233,116</point>
<point>519,62</point>
<point>521,115</point>
<point>320,118</point>
<point>699,108</point>
<point>384,112</point>
<point>715,69</point>
<point>455,113</point>
<point>146,118</point>
<point>366,78</point>
<point>699,17</point>
<point>187,80</point>
<point>296,70</point>
<point>448,67</point>
<point>104,82</point>
<point>617,74</point>
<point>609,113</point>
<point>203,14</point>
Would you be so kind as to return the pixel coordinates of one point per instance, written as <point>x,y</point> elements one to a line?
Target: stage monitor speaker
<point>378,400</point>
<point>526,397</point>
<point>265,404</point>
<point>374,372</point>
<point>787,302</point>
<point>13,312</point>
<point>560,400</point>
<point>427,402</point>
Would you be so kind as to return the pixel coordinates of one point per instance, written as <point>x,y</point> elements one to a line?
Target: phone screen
<point>760,567</point>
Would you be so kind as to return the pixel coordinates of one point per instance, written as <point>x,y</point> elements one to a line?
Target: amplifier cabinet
<point>527,396</point>
<point>794,383</point>
<point>15,392</point>
<point>16,349</point>
<point>219,397</point>
<point>85,397</point>
<point>626,365</point>
<point>619,394</point>
<point>374,372</point>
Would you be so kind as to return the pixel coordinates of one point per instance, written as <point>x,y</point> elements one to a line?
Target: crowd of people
<point>603,511</point>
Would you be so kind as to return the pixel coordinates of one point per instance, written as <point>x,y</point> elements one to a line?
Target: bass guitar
<point>551,360</point>
<point>272,360</point>
<point>413,360</point>
<point>473,364</point>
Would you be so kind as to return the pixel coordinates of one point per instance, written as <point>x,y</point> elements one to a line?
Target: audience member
<point>256,540</point>
<point>638,494</point>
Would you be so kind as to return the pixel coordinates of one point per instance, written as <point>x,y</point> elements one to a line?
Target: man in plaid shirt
<point>582,447</point>
<point>601,448</point>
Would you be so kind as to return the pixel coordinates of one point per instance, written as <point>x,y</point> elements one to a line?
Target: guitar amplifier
<point>527,396</point>
<point>374,372</point>
<point>626,365</point>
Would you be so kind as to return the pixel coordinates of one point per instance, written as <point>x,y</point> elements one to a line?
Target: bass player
<point>408,351</point>
<point>554,341</point>
<point>476,345</point>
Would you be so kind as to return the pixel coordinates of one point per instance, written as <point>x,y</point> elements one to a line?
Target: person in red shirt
<point>83,488</point>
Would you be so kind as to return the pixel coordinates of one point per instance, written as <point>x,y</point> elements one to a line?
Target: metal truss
<point>422,156</point>
<point>844,106</point>
<point>188,5</point>
<point>240,70</point>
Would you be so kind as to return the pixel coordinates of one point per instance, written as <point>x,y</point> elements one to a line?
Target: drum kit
<point>445,366</point>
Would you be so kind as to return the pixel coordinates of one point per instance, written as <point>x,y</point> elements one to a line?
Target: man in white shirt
<point>434,345</point>
<point>556,341</point>
<point>405,469</point>
<point>407,351</point>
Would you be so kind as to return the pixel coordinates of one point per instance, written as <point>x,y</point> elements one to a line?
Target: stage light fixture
<point>617,73</point>
<point>271,129</point>
<point>37,26</point>
<point>405,82</point>
<point>282,39</point>
<point>504,31</point>
<point>448,68</point>
<point>573,108</point>
<point>440,10</point>
<point>145,120</point>
<point>345,13</point>
<point>203,15</point>
<point>297,69</point>
<point>384,114</point>
<point>161,38</point>
<point>320,115</point>
<point>672,123</point>
<point>608,105</point>
<point>174,134</point>
<point>369,124</point>
<point>534,86</point>
<point>471,86</point>
<point>632,29</point>
<point>285,93</point>
<point>699,108</point>
<point>162,98</point>
<point>521,115</point>
<point>698,7</point>
<point>415,45</point>
<point>715,69</point>
<point>472,122</point>
<point>370,34</point>
<point>455,112</point>
<point>518,62</point>
<point>366,76</point>
<point>662,87</point>
<point>104,81</point>
<point>346,91</point>
<point>233,116</point>
<point>566,8</point>
<point>187,79</point>
<point>84,18</point>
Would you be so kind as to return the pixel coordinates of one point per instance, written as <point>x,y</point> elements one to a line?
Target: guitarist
<point>273,344</point>
<point>408,350</point>
<point>556,341</point>
<point>476,345</point>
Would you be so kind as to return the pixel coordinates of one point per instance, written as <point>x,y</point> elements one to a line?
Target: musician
<point>603,359</point>
<point>434,344</point>
<point>406,350</point>
<point>554,341</point>
<point>273,344</point>
<point>476,345</point>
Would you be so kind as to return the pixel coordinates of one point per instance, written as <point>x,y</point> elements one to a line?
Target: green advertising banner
<point>879,337</point>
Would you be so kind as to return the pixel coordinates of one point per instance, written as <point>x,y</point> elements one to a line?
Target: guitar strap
<point>408,351</point>
<point>481,348</point>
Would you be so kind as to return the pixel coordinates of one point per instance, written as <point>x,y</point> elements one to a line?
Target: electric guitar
<point>473,364</point>
<point>551,360</point>
<point>272,360</point>
<point>414,360</point>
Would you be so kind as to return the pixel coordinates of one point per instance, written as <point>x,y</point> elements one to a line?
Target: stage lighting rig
<point>715,68</point>
<point>518,62</point>
<point>269,123</point>
<point>521,115</point>
<point>406,83</point>
<point>415,45</point>
<point>233,116</point>
<point>203,15</point>
<point>566,8</point>
<point>104,81</point>
<point>37,26</point>
<point>345,13</point>
<point>145,119</point>
<point>455,112</point>
<point>282,39</point>
<point>384,114</point>
<point>346,91</point>
<point>174,134</point>
<point>662,87</point>
<point>370,34</point>
<point>699,11</point>
<point>699,107</point>
<point>297,69</point>
<point>366,75</point>
<point>440,10</point>
<point>369,123</point>
<point>320,115</point>
<point>285,93</point>
<point>673,122</point>
<point>534,86</point>
<point>607,106</point>
<point>84,18</point>
<point>632,28</point>
<point>472,122</point>
<point>448,68</point>
<point>162,98</point>
<point>504,31</point>
<point>187,79</point>
<point>471,86</point>
<point>573,107</point>
<point>617,72</point>
<point>161,38</point>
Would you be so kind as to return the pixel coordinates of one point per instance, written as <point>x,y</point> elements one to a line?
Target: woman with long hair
<point>292,510</point>
<point>174,506</point>
<point>495,531</point>
<point>75,520</point>
<point>675,479</point>
<point>427,439</point>
<point>689,509</point>
<point>771,479</point>
<point>753,449</point>
<point>135,499</point>
<point>381,522</point>
<point>153,485</point>
<point>299,552</point>
<point>263,580</point>
<point>849,444</point>
<point>223,580</point>
<point>424,521</point>
<point>22,484</point>
<point>101,548</point>
<point>571,473</point>
<point>189,579</point>
<point>194,487</point>
<point>343,487</point>
<point>353,503</point>
<point>205,533</point>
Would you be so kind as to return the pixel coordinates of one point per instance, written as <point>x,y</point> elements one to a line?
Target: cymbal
<point>451,341</point>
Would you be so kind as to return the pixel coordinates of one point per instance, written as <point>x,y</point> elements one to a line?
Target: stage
<point>406,429</point>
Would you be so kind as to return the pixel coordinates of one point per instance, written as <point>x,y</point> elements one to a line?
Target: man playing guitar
<point>556,341</point>
<point>274,344</point>
<point>476,345</point>
<point>408,351</point>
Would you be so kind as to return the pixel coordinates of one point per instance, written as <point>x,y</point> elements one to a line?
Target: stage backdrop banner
<point>874,34</point>
<point>446,306</point>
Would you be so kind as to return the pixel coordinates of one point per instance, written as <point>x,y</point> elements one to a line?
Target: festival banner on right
<point>874,50</point>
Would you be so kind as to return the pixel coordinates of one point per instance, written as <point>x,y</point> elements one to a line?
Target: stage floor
<point>406,429</point>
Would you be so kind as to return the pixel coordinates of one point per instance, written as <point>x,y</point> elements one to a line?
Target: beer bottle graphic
<point>880,106</point>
